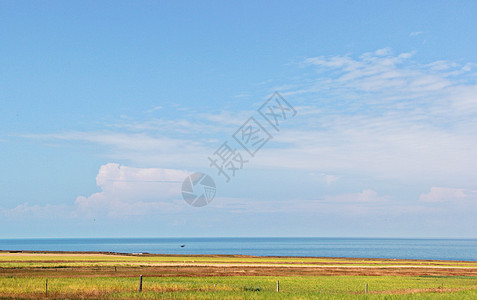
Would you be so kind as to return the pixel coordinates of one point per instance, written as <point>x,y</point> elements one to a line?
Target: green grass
<point>24,275</point>
<point>244,287</point>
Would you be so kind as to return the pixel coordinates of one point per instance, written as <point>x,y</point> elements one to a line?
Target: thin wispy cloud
<point>379,114</point>
<point>416,33</point>
<point>242,95</point>
<point>154,109</point>
<point>138,148</point>
<point>383,113</point>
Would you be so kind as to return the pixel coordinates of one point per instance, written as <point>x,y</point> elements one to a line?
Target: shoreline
<point>146,254</point>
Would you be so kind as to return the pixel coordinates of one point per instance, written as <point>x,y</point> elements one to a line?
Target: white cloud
<point>134,191</point>
<point>444,194</point>
<point>125,191</point>
<point>227,118</point>
<point>383,51</point>
<point>328,179</point>
<point>27,210</point>
<point>393,76</point>
<point>377,114</point>
<point>242,95</point>
<point>366,196</point>
<point>365,202</point>
<point>382,115</point>
<point>441,65</point>
<point>416,33</point>
<point>139,148</point>
<point>154,109</point>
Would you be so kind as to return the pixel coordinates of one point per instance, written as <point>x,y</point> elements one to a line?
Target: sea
<point>392,248</point>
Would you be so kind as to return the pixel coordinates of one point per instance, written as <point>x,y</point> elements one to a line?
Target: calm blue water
<point>442,249</point>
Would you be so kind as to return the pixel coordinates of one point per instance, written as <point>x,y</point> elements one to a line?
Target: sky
<point>106,107</point>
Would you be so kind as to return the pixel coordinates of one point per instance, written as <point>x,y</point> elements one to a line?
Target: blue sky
<point>101,100</point>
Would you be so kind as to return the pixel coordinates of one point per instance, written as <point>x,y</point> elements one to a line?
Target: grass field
<point>112,276</point>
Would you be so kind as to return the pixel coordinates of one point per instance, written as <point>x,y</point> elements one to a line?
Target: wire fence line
<point>158,284</point>
<point>55,285</point>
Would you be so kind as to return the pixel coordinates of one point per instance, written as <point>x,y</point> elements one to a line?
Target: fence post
<point>46,288</point>
<point>366,288</point>
<point>140,283</point>
<point>278,286</point>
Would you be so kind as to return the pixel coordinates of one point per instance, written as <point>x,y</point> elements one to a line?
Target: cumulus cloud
<point>133,191</point>
<point>125,191</point>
